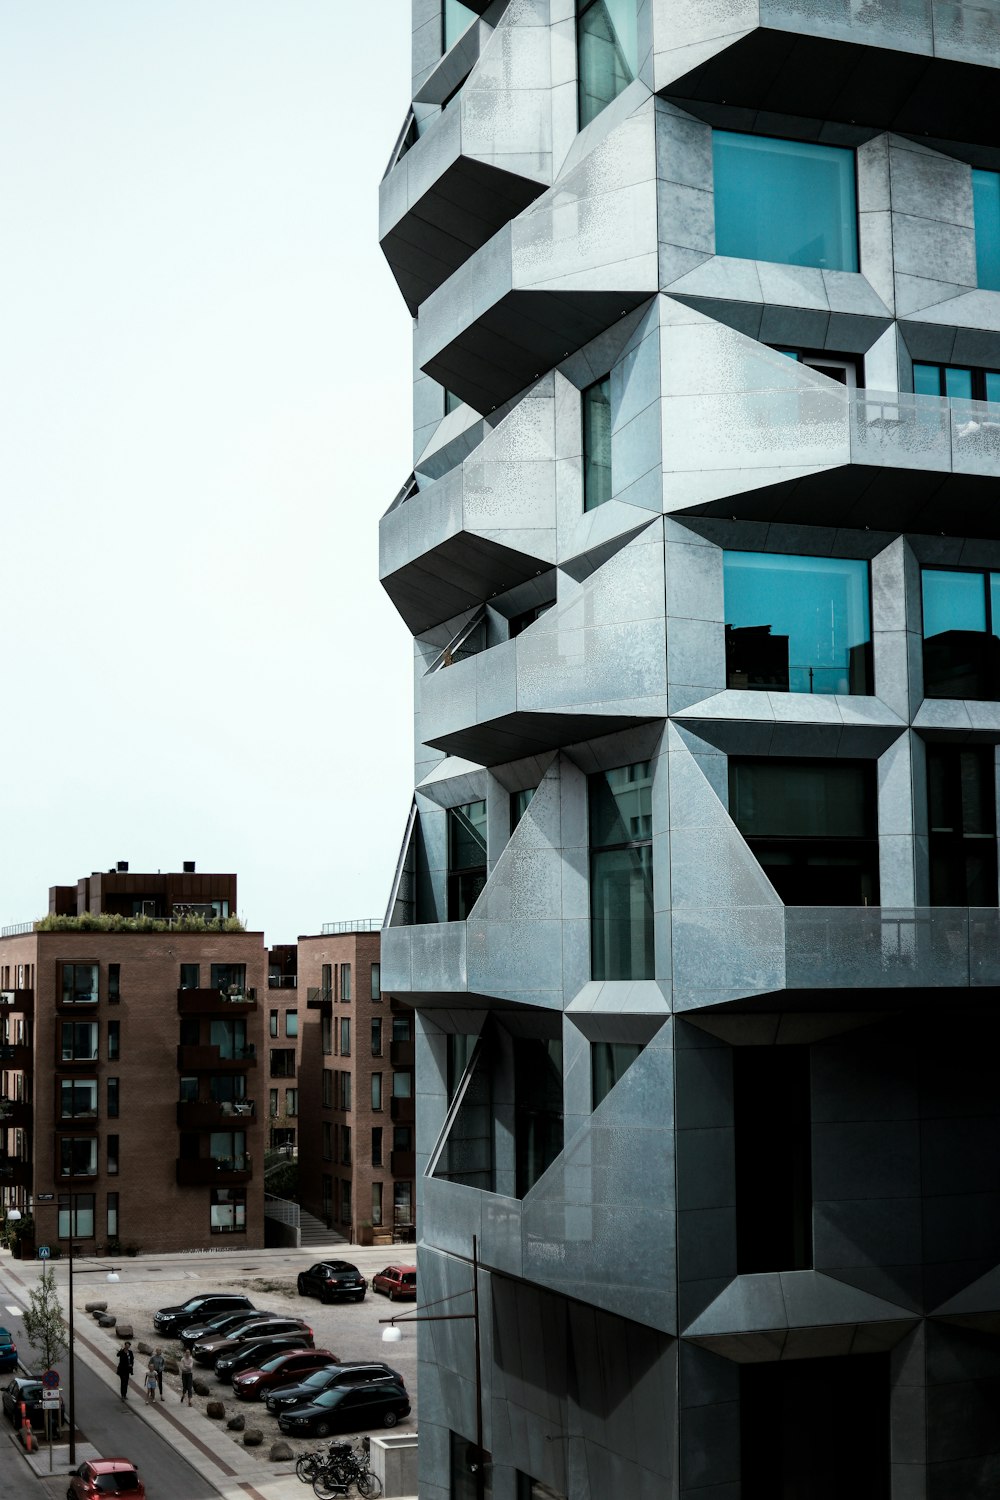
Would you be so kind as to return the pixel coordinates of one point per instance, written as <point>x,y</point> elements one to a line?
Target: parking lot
<point>351,1330</point>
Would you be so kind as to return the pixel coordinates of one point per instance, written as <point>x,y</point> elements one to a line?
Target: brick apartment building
<point>282,1048</point>
<point>128,1065</point>
<point>356,1162</point>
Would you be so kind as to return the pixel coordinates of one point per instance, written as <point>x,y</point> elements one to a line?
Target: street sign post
<point>43,1252</point>
<point>50,1380</point>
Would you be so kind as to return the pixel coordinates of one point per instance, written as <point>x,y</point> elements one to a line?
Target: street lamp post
<point>391,1335</point>
<point>112,1276</point>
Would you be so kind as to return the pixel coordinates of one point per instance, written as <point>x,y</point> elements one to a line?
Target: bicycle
<point>344,1469</point>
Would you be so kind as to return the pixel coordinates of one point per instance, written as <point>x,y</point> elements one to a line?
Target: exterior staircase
<point>313,1231</point>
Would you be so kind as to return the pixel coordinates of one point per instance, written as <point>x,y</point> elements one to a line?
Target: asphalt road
<point>113,1427</point>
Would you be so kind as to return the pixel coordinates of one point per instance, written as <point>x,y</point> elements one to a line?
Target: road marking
<point>15,1312</point>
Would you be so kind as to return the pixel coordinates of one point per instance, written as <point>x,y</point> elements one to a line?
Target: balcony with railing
<point>22,1000</point>
<point>15,1114</point>
<point>200,1059</point>
<point>191,1002</point>
<point>317,997</point>
<point>214,1171</point>
<point>15,1171</point>
<point>402,1164</point>
<point>401,1054</point>
<point>17,1056</point>
<point>212,1114</point>
<point>880,948</point>
<point>401,1109</point>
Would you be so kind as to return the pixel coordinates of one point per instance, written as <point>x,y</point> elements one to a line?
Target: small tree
<point>43,1321</point>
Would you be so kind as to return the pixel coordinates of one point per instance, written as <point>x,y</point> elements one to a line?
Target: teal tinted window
<point>986,210</point>
<point>797,624</point>
<point>960,383</point>
<point>992,384</point>
<point>621,873</point>
<point>953,601</point>
<point>607,47</point>
<point>961,622</point>
<point>597,443</point>
<point>457,19</point>
<point>787,201</point>
<point>519,805</point>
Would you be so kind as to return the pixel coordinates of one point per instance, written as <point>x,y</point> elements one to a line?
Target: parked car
<point>105,1476</point>
<point>250,1356</point>
<point>8,1350</point>
<point>343,1408</point>
<point>330,1280</point>
<point>280,1369</point>
<point>26,1389</point>
<point>352,1373</point>
<point>396,1282</point>
<point>207,1351</point>
<point>169,1319</point>
<point>223,1325</point>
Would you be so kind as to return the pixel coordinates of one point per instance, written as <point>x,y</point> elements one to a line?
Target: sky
<point>205,386</point>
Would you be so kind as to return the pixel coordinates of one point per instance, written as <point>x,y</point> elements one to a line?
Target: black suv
<point>355,1372</point>
<point>169,1319</point>
<point>329,1280</point>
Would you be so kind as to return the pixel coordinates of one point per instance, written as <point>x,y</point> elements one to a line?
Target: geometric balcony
<point>872,947</point>
<point>402,1163</point>
<point>15,1172</point>
<point>18,1058</point>
<point>22,1000</point>
<point>15,1114</point>
<point>401,1110</point>
<point>899,65</point>
<point>213,1170</point>
<point>191,1002</point>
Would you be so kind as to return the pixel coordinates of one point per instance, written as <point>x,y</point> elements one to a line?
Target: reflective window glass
<point>519,805</point>
<point>538,1108</point>
<point>992,386</point>
<point>787,201</point>
<point>961,798</point>
<point>812,825</point>
<point>457,20</point>
<point>597,443</point>
<point>961,619</point>
<point>608,1062</point>
<point>621,873</point>
<point>986,212</point>
<point>958,383</point>
<point>607,46</point>
<point>466,858</point>
<point>797,624</point>
<point>927,380</point>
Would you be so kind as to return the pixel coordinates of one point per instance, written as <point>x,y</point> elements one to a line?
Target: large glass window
<point>76,1215</point>
<point>78,1041</point>
<point>797,624</point>
<point>231,979</point>
<point>230,1037</point>
<point>291,1023</point>
<point>228,1211</point>
<point>596,403</point>
<point>961,797</point>
<point>376,1091</point>
<point>227,1149</point>
<point>376,1037</point>
<point>282,1062</point>
<point>812,825</point>
<point>466,858</point>
<point>607,46</point>
<point>376,982</point>
<point>621,873</point>
<point>958,382</point>
<point>79,984</point>
<point>78,1156</point>
<point>77,1098</point>
<point>456,20</point>
<point>986,212</point>
<point>787,201</point>
<point>345,982</point>
<point>961,624</point>
<point>345,1036</point>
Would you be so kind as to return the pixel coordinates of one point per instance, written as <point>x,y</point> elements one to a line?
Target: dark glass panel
<point>538,1114</point>
<point>773,1146</point>
<point>961,796</point>
<point>607,52</point>
<point>608,1062</point>
<point>597,444</point>
<point>621,913</point>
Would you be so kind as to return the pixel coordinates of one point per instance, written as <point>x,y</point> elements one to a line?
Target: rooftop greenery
<point>110,922</point>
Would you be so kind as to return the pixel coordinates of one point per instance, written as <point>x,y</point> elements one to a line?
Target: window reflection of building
<point>961,649</point>
<point>797,624</point>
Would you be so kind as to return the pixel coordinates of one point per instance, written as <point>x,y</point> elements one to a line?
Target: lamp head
<point>13,1214</point>
<point>392,1334</point>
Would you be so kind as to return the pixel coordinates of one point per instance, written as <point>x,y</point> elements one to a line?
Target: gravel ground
<point>350,1330</point>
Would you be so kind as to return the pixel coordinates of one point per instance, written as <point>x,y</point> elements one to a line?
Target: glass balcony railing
<point>877,947</point>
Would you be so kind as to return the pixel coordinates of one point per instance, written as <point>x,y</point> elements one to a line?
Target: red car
<point>253,1385</point>
<point>396,1281</point>
<point>106,1476</point>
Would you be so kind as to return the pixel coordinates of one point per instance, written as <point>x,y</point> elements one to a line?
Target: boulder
<point>216,1410</point>
<point>253,1437</point>
<point>145,1348</point>
<point>106,1320</point>
<point>236,1424</point>
<point>202,1387</point>
<point>95,1307</point>
<point>170,1365</point>
<point>124,1330</point>
<point>280,1453</point>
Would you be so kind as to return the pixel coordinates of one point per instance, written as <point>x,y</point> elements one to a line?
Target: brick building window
<point>345,1145</point>
<point>112,1098</point>
<point>190,976</point>
<point>327,1141</point>
<point>401,1029</point>
<point>345,1090</point>
<point>376,1203</point>
<point>112,1149</point>
<point>345,1036</point>
<point>376,990</point>
<point>114,1040</point>
<point>112,1216</point>
<point>114,983</point>
<point>326,982</point>
<point>376,1091</point>
<point>79,984</point>
<point>78,1156</point>
<point>326,1034</point>
<point>291,1023</point>
<point>78,1042</point>
<point>81,1210</point>
<point>78,1098</point>
<point>345,1202</point>
<point>282,1062</point>
<point>345,982</point>
<point>376,1147</point>
<point>291,1103</point>
<point>228,1211</point>
<point>327,1088</point>
<point>377,1037</point>
<point>272,1107</point>
<point>272,1023</point>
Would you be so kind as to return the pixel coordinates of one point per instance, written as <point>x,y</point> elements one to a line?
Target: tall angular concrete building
<point>698,900</point>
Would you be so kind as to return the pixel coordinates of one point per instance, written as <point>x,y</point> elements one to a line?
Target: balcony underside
<point>519,734</point>
<point>780,72</point>
<point>867,496</point>
<point>456,574</point>
<point>466,206</point>
<point>523,334</point>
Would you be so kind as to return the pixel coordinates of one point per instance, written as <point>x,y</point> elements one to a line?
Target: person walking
<point>158,1362</point>
<point>149,1382</point>
<point>125,1366</point>
<point>187,1376</point>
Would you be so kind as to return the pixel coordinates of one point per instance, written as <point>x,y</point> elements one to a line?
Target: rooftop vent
<point>123,867</point>
<point>189,867</point>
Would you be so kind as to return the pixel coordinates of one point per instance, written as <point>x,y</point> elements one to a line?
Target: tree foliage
<point>43,1321</point>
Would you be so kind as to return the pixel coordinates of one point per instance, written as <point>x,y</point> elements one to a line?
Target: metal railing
<point>16,929</point>
<point>360,924</point>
